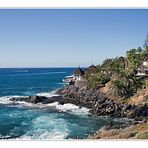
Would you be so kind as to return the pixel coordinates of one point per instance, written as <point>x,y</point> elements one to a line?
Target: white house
<point>143,70</point>
<point>78,73</point>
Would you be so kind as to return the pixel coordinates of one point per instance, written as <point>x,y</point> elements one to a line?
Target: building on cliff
<point>79,80</point>
<point>78,73</point>
<point>91,69</point>
<point>76,77</point>
<point>143,70</point>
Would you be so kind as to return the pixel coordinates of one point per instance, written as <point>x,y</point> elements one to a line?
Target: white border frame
<point>73,3</point>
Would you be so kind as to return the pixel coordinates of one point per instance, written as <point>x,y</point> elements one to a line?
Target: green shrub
<point>142,135</point>
<point>96,80</point>
<point>146,97</point>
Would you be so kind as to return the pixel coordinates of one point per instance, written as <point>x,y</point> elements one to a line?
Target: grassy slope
<point>139,131</point>
<point>141,96</point>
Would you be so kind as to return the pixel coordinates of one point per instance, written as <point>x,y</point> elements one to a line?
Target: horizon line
<point>45,67</point>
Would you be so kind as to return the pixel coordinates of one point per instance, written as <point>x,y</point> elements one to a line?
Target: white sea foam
<point>66,107</point>
<point>5,100</point>
<point>73,109</point>
<point>54,104</point>
<point>44,135</point>
<point>48,94</point>
<point>4,137</point>
<point>47,127</point>
<point>70,108</point>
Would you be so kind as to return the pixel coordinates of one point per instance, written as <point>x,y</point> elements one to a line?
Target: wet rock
<point>52,99</point>
<point>25,99</point>
<point>30,99</point>
<point>95,100</point>
<point>37,99</point>
<point>100,104</point>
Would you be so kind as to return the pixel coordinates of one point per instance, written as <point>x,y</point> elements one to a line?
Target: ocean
<point>52,121</point>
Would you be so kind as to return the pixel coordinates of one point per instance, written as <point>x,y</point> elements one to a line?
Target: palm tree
<point>118,88</point>
<point>96,80</point>
<point>133,59</point>
<point>125,84</point>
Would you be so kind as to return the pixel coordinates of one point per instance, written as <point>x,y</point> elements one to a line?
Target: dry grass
<point>139,131</point>
<point>141,97</point>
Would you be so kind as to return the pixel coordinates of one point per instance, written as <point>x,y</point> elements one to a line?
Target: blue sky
<point>65,38</point>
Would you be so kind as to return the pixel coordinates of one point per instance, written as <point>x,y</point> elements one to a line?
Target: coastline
<point>98,104</point>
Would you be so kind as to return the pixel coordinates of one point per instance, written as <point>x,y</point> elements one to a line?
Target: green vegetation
<point>121,72</point>
<point>146,97</point>
<point>142,135</point>
<point>125,85</point>
<point>96,80</point>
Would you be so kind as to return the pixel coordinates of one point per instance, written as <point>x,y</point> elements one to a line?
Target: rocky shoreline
<point>137,131</point>
<point>94,100</point>
<point>98,104</point>
<point>101,105</point>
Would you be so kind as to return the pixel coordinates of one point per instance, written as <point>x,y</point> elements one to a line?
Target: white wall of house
<point>145,63</point>
<point>145,66</point>
<point>77,77</point>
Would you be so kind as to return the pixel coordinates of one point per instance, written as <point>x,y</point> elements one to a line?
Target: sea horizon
<point>43,67</point>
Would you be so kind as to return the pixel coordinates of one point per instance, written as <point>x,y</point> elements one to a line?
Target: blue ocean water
<point>25,121</point>
<point>23,81</point>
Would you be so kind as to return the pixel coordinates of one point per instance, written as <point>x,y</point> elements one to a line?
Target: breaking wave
<point>58,128</point>
<point>47,94</point>
<point>70,108</point>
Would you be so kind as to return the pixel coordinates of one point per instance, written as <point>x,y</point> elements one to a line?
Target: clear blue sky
<point>58,38</point>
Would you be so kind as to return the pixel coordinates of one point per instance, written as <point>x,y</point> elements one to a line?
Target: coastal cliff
<point>100,105</point>
<point>112,89</point>
<point>138,131</point>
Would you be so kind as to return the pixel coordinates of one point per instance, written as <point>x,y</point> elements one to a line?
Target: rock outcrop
<point>100,105</point>
<point>37,99</point>
<point>95,100</point>
<point>138,131</point>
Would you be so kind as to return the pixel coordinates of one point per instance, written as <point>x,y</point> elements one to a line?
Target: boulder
<point>52,99</point>
<point>37,99</point>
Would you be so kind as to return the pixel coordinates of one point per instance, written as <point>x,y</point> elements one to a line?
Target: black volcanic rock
<point>37,99</point>
<point>95,100</point>
<point>99,104</point>
<point>19,99</point>
<point>52,99</point>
